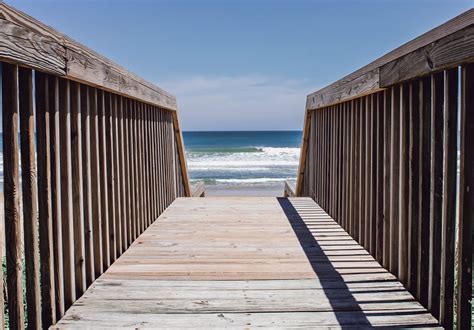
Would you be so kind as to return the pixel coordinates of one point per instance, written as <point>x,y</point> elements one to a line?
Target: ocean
<point>251,159</point>
<point>255,159</point>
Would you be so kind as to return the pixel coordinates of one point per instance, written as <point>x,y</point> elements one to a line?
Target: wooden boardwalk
<point>245,262</point>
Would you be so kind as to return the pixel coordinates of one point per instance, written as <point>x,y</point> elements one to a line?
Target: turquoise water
<point>242,158</point>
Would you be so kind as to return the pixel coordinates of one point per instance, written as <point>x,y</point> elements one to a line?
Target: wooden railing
<point>289,189</point>
<point>106,161</point>
<point>380,155</point>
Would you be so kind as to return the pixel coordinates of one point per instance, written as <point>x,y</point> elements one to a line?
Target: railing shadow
<point>329,275</point>
<point>346,308</point>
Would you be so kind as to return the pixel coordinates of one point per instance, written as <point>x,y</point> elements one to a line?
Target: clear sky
<point>248,64</point>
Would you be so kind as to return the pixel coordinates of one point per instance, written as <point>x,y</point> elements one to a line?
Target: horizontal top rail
<point>445,46</point>
<point>28,42</point>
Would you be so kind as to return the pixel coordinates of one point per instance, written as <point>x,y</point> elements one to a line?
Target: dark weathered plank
<point>366,79</point>
<point>11,191</point>
<point>30,198</point>
<point>436,196</point>
<point>444,53</point>
<point>104,196</point>
<point>67,215</point>
<point>424,227</point>
<point>57,242</point>
<point>394,178</point>
<point>450,158</point>
<point>45,216</point>
<point>87,184</point>
<point>403,185</point>
<point>387,201</point>
<point>95,182</point>
<point>77,190</point>
<point>466,200</point>
<point>414,178</point>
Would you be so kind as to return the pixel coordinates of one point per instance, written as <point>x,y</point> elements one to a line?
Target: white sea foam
<point>240,166</point>
<point>264,159</point>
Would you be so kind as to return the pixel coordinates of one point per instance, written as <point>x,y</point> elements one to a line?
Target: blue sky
<point>248,64</point>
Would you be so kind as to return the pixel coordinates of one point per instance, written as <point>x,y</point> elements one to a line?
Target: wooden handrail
<point>380,155</point>
<point>378,74</point>
<point>28,42</point>
<point>289,189</point>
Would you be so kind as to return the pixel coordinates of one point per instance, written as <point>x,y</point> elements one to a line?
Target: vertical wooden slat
<point>387,106</point>
<point>87,188</point>
<point>77,190</point>
<point>368,172</point>
<point>30,198</point>
<point>122,147</point>
<point>414,177</point>
<point>66,193</point>
<point>56,196</point>
<point>362,173</point>
<point>146,179</point>
<point>133,175</point>
<point>116,176</point>
<point>356,175</point>
<point>436,194</point>
<point>45,217</point>
<point>380,186</point>
<point>96,187</point>
<point>449,196</point>
<point>466,200</point>
<point>424,227</point>
<point>11,191</point>
<point>394,179</point>
<point>403,200</point>
<point>350,191</point>
<point>109,141</point>
<point>103,161</point>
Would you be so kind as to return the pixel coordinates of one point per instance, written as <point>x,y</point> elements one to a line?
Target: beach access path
<point>246,262</point>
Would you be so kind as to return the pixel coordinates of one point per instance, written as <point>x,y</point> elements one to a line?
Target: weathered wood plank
<point>66,193</point>
<point>77,190</point>
<point>30,197</point>
<point>208,257</point>
<point>441,54</point>
<point>29,42</point>
<point>466,200</point>
<point>56,194</point>
<point>44,119</point>
<point>95,181</point>
<point>11,191</point>
<point>405,62</point>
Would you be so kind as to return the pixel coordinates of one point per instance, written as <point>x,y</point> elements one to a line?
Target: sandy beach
<point>270,190</point>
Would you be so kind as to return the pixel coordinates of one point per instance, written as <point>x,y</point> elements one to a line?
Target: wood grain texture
<point>11,190</point>
<point>29,42</point>
<point>442,54</point>
<point>245,262</point>
<point>374,76</point>
<point>30,198</point>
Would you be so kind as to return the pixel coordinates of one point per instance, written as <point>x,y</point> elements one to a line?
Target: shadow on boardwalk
<point>346,307</point>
